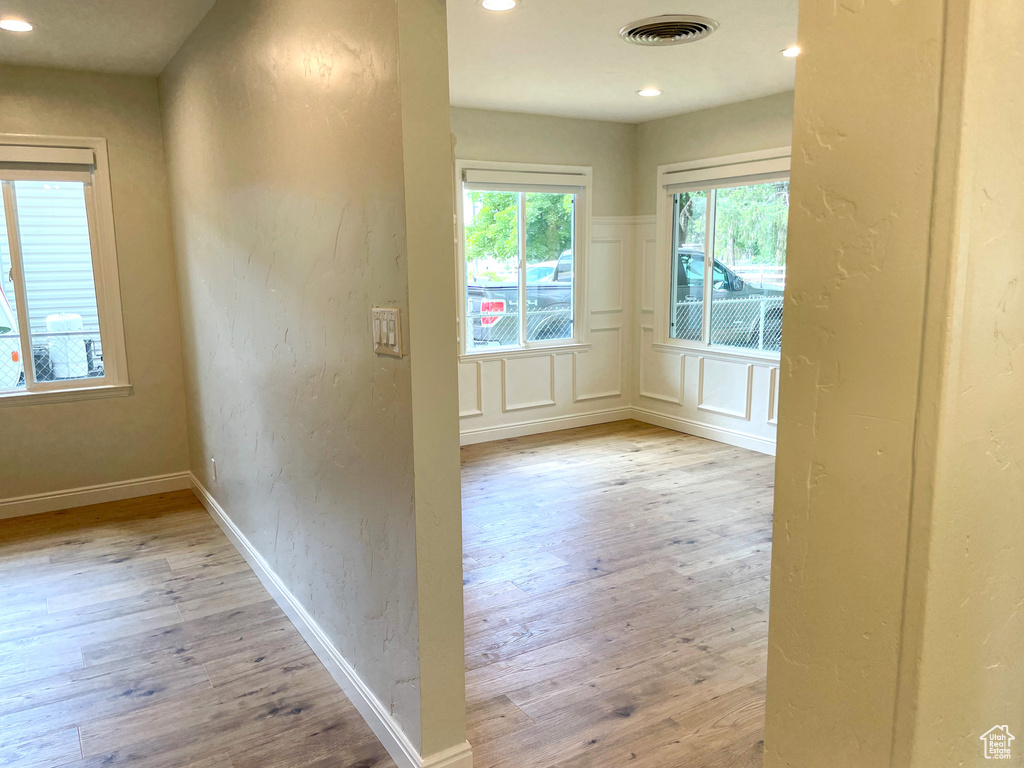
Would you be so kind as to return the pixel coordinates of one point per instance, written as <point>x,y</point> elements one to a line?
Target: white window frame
<point>710,173</point>
<point>530,177</point>
<point>57,158</point>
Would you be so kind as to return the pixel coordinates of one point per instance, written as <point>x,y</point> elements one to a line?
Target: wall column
<point>896,629</point>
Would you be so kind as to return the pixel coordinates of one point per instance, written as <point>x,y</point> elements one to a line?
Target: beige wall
<point>742,127</point>
<point>289,175</point>
<point>963,671</point>
<point>287,185</point>
<point>58,446</point>
<point>897,575</point>
<point>519,138</point>
<point>429,208</point>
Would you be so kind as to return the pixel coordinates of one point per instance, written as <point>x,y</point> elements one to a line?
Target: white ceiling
<point>565,57</point>
<point>132,36</point>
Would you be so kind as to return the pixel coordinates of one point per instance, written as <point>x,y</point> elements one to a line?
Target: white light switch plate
<point>387,331</point>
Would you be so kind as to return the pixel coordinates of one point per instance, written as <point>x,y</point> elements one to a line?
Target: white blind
<point>46,156</point>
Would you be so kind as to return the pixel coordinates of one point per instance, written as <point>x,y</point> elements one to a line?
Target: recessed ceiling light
<point>792,52</point>
<point>15,25</point>
<point>499,5</point>
<point>648,92</point>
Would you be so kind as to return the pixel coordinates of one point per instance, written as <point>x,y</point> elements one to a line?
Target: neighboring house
<point>57,265</point>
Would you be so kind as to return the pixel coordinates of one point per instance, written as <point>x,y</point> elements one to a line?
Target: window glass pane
<point>491,240</point>
<point>689,212</point>
<point>10,343</point>
<point>549,265</point>
<point>750,265</point>
<point>60,294</point>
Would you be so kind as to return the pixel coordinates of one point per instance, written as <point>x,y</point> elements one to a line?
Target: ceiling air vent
<point>671,29</point>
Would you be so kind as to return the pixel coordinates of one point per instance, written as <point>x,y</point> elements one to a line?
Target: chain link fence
<point>494,327</point>
<point>55,357</point>
<point>751,322</point>
<point>689,320</point>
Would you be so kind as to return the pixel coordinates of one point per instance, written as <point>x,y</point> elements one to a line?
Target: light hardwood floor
<point>616,613</point>
<point>134,634</point>
<point>616,599</point>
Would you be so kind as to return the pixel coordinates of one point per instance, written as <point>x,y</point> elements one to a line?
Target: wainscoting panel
<point>597,372</point>
<point>607,275</point>
<point>470,389</point>
<point>527,382</point>
<point>516,394</point>
<point>724,387</point>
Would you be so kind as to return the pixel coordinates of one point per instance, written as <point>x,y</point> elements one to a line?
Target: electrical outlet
<point>387,331</point>
<point>214,463</point>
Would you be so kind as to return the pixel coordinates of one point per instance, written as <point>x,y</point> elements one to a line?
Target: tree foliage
<point>750,222</point>
<point>493,228</point>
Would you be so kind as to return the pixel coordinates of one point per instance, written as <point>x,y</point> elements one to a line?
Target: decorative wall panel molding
<point>661,373</point>
<point>773,397</point>
<point>607,275</point>
<point>470,390</point>
<point>597,372</point>
<point>725,387</point>
<point>527,382</point>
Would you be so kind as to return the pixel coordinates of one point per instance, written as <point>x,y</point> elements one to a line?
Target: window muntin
<point>59,329</point>
<point>519,247</point>
<point>741,304</point>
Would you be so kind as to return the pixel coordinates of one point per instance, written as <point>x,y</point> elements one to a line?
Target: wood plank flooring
<point>133,634</point>
<point>616,613</point>
<point>616,599</point>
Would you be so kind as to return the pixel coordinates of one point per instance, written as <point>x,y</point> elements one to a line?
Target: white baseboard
<point>93,494</point>
<point>722,435</point>
<point>364,700</point>
<point>538,426</point>
<point>460,756</point>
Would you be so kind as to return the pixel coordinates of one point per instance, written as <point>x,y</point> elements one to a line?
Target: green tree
<point>493,228</point>
<point>751,224</point>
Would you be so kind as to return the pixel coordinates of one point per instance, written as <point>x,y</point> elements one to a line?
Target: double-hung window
<point>723,224</point>
<point>60,312</point>
<point>522,255</point>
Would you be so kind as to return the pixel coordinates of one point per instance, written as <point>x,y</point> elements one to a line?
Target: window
<point>521,234</point>
<point>727,249</point>
<point>60,324</point>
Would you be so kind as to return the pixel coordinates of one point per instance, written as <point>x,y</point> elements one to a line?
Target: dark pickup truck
<point>742,314</point>
<point>492,310</point>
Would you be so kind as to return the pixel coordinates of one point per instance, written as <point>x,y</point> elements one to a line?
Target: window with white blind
<point>722,232</point>
<point>60,312</point>
<point>522,255</point>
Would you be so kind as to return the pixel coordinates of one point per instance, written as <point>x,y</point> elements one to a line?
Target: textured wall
<point>517,138</point>
<point>963,671</point>
<point>859,239</point>
<point>58,446</point>
<point>742,127</point>
<point>284,138</point>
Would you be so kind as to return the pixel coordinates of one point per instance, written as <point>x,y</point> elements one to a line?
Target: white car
<point>10,347</point>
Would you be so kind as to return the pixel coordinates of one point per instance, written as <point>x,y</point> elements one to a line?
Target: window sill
<point>503,354</point>
<point>724,353</point>
<point>12,399</point>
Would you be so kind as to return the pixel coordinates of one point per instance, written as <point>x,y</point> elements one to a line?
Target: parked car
<point>536,273</point>
<point>10,347</point>
<point>743,315</point>
<point>493,308</point>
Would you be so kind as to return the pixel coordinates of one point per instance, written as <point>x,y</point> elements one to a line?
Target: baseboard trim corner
<point>366,703</point>
<point>720,434</point>
<point>539,426</point>
<point>460,756</point>
<point>55,501</point>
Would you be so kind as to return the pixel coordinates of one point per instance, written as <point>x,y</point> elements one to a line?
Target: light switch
<point>387,331</point>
